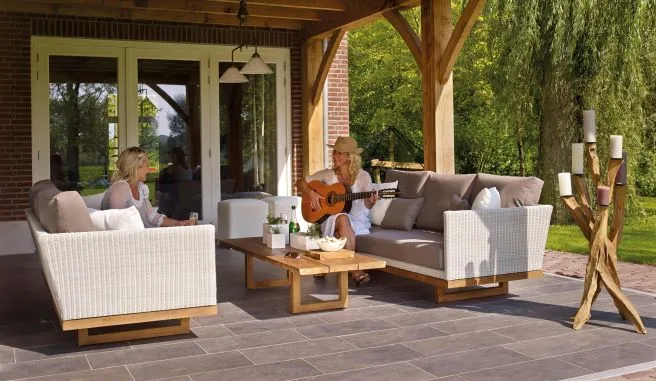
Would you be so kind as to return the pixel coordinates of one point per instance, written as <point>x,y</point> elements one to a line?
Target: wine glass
<point>193,217</point>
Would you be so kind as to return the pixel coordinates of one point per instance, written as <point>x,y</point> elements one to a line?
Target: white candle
<point>616,146</point>
<point>577,158</point>
<point>589,126</point>
<point>565,184</point>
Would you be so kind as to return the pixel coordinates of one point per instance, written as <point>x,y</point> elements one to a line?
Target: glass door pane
<point>83,122</point>
<point>248,135</point>
<point>169,117</point>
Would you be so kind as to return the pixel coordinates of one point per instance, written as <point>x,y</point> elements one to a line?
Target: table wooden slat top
<point>305,265</point>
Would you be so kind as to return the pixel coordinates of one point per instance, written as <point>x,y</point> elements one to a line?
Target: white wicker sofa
<point>452,249</point>
<point>124,278</point>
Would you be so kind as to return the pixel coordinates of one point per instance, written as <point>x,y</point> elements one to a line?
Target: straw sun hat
<point>346,144</point>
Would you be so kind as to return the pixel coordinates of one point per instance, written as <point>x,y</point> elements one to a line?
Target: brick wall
<point>15,101</point>
<point>338,93</point>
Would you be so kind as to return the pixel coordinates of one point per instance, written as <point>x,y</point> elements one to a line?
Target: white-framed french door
<point>133,59</point>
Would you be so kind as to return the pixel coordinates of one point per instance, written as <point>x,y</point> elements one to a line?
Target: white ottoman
<point>283,204</point>
<point>241,217</point>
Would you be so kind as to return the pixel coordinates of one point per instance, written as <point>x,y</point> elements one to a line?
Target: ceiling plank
<point>460,33</point>
<point>213,7</point>
<point>145,14</point>
<point>358,13</point>
<point>325,5</point>
<point>406,32</point>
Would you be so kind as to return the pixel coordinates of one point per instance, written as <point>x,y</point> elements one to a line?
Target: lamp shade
<point>256,65</point>
<point>232,75</point>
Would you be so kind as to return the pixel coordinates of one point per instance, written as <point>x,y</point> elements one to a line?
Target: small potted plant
<point>275,238</point>
<point>277,222</point>
<point>306,241</point>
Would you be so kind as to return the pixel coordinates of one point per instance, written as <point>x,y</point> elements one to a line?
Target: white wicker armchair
<point>109,278</point>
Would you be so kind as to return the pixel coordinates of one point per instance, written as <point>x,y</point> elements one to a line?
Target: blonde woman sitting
<point>128,189</point>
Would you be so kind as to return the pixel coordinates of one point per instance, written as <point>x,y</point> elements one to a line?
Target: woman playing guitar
<point>347,170</point>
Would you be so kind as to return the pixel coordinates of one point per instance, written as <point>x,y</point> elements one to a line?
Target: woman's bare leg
<point>343,229</point>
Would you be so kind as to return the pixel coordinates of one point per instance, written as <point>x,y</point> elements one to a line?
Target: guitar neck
<point>353,196</point>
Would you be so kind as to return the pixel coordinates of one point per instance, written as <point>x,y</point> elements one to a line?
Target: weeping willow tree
<point>559,57</point>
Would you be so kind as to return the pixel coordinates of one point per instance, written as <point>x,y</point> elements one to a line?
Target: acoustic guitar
<point>336,199</point>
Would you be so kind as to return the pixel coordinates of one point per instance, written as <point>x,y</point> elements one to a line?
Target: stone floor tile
<point>188,365</point>
<point>143,354</point>
<point>538,370</point>
<point>253,340</point>
<point>109,374</point>
<point>346,328</point>
<point>398,371</point>
<point>612,357</point>
<point>287,370</point>
<point>7,356</point>
<point>469,361</point>
<point>297,350</point>
<point>65,349</point>
<point>480,323</point>
<point>339,362</point>
<point>272,324</point>
<point>458,343</point>
<point>359,314</point>
<point>427,317</point>
<point>43,367</point>
<point>393,336</point>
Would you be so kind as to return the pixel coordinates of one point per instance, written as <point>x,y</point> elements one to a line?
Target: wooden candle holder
<point>601,268</point>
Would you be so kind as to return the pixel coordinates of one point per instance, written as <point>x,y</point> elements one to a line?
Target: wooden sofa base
<point>444,289</point>
<point>123,329</point>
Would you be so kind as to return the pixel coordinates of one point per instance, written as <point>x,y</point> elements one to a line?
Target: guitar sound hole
<point>330,199</point>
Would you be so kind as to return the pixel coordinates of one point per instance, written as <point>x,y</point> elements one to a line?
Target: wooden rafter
<point>32,6</point>
<point>174,105</point>
<point>458,37</point>
<point>406,32</point>
<point>326,62</point>
<point>358,13</point>
<point>326,5</point>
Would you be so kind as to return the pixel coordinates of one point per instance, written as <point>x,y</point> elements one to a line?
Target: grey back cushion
<point>411,183</point>
<point>525,189</point>
<point>61,212</point>
<point>438,192</point>
<point>402,213</point>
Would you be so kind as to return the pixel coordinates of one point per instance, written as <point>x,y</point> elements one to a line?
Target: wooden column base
<point>84,337</point>
<point>442,296</point>
<point>252,284</point>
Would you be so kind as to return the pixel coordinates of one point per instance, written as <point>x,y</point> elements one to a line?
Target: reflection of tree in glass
<point>80,115</point>
<point>179,129</point>
<point>148,139</point>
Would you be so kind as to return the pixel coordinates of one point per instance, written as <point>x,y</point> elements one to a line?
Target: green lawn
<point>638,240</point>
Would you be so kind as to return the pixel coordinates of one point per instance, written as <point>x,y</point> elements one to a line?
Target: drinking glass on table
<point>193,217</point>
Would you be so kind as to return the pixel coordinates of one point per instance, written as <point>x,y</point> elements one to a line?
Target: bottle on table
<point>294,227</point>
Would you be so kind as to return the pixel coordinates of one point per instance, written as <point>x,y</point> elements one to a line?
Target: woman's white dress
<point>359,214</point>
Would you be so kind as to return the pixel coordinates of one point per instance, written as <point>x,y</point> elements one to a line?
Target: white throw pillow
<point>117,219</point>
<point>487,198</point>
<point>377,212</point>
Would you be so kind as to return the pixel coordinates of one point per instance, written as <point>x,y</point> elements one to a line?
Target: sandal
<point>361,279</point>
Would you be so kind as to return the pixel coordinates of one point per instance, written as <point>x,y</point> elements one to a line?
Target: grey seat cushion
<point>419,247</point>
<point>525,189</point>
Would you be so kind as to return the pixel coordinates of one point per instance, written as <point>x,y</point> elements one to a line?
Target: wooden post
<point>311,54</point>
<point>601,270</point>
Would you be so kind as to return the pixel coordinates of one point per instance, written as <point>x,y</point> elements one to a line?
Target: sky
<point>163,107</point>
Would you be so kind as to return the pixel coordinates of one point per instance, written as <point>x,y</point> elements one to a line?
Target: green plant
<point>273,229</point>
<point>271,220</point>
<point>314,231</point>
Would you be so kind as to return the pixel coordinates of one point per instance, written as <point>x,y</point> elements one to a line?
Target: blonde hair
<point>129,162</point>
<point>355,164</point>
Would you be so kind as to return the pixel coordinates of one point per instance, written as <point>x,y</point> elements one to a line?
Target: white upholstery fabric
<point>241,217</point>
<point>487,198</point>
<point>105,273</point>
<point>377,212</point>
<point>495,241</point>
<point>283,204</point>
<point>117,219</point>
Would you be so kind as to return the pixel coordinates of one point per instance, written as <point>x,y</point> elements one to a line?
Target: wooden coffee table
<point>254,249</point>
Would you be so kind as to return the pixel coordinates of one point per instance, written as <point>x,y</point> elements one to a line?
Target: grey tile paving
<point>363,358</point>
<point>196,364</point>
<point>539,370</point>
<point>64,349</point>
<point>43,367</point>
<point>359,313</point>
<point>458,343</point>
<point>143,354</point>
<point>251,340</point>
<point>287,370</point>
<point>275,353</point>
<point>7,356</point>
<point>212,331</point>
<point>616,356</point>
<point>346,328</point>
<point>393,336</point>
<point>32,339</point>
<point>537,330</point>
<point>110,374</point>
<point>469,361</point>
<point>399,371</point>
<point>272,324</point>
<point>426,317</point>
<point>480,323</point>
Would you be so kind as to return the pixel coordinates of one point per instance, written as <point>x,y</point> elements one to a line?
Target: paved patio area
<point>391,331</point>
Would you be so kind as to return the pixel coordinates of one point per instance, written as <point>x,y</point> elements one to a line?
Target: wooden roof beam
<point>147,14</point>
<point>326,62</point>
<point>460,33</point>
<point>406,32</point>
<point>323,5</point>
<point>358,13</point>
